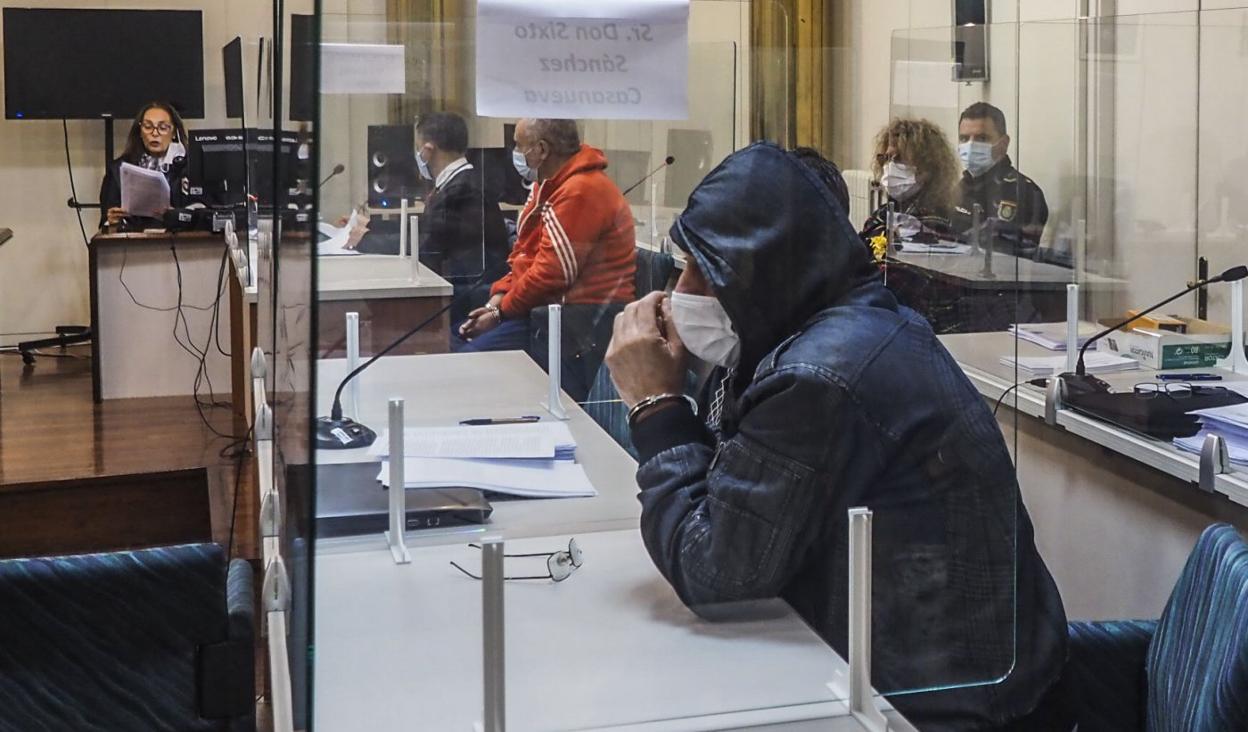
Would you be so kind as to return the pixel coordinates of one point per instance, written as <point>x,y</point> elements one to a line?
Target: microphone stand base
<point>342,434</point>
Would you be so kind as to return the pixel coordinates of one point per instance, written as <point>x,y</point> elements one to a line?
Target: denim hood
<point>774,244</point>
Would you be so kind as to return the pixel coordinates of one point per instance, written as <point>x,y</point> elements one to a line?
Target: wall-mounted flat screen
<point>87,64</point>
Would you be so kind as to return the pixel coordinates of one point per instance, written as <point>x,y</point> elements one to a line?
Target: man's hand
<point>115,215</point>
<point>481,320</point>
<point>646,356</point>
<point>356,235</point>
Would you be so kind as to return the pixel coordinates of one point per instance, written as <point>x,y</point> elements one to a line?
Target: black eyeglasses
<point>559,564</point>
<point>1174,390</point>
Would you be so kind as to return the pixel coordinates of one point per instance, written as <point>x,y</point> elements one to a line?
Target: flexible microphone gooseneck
<point>666,162</point>
<point>1230,275</point>
<point>337,169</point>
<point>336,432</point>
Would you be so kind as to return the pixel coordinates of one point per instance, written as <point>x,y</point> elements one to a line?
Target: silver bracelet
<point>650,401</point>
<point>498,312</point>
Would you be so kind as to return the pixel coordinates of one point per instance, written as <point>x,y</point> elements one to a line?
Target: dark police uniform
<point>1015,202</point>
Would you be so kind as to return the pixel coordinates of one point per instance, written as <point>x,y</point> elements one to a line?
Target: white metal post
<point>275,599</point>
<point>413,239</point>
<point>493,638</point>
<point>1072,327</point>
<point>554,362</point>
<point>654,211</point>
<point>353,361</point>
<point>861,699</point>
<point>398,486</point>
<point>403,228</point>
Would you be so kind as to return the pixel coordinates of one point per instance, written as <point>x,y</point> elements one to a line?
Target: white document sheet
<point>335,245</point>
<point>143,192</point>
<point>1095,362</point>
<point>540,440</point>
<point>525,478</point>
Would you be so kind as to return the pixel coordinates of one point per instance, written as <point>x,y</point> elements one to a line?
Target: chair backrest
<point>1198,661</point>
<point>110,641</point>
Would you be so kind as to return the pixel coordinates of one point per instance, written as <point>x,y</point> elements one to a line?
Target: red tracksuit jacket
<point>575,241</point>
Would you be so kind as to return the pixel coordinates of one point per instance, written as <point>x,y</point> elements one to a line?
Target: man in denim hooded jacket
<point>836,397</point>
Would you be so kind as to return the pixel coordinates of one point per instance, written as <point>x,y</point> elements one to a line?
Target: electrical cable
<point>1041,382</point>
<point>240,456</point>
<point>73,191</point>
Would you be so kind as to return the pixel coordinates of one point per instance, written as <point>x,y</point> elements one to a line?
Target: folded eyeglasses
<point>559,564</point>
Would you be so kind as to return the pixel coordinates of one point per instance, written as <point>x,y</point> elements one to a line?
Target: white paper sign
<point>599,59</point>
<point>362,68</point>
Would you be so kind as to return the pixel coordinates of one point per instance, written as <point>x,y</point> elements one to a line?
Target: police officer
<point>1012,200</point>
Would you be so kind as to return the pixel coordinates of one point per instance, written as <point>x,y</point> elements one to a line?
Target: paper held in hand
<point>143,192</point>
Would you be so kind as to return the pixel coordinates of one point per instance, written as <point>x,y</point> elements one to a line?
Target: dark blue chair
<point>151,639</point>
<point>1188,671</point>
<point>602,404</point>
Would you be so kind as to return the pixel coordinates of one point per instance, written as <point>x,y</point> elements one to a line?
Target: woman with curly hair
<point>914,162</point>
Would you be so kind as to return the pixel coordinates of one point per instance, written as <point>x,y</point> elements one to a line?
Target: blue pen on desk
<point>482,421</point>
<point>1188,377</point>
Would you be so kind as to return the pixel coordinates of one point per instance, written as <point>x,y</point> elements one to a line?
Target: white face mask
<point>522,166</point>
<point>423,167</point>
<point>899,180</point>
<point>976,157</point>
<point>704,327</point>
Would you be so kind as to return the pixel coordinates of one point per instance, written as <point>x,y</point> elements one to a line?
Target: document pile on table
<point>1094,362</point>
<point>1229,422</point>
<point>535,460</point>
<point>940,247</point>
<point>1052,336</point>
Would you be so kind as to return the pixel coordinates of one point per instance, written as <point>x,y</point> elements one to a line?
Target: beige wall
<point>43,269</point>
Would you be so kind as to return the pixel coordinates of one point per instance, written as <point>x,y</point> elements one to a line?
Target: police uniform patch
<point>1006,210</point>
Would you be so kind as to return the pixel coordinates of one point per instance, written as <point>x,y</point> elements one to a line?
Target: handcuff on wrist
<point>656,399</point>
<point>498,312</point>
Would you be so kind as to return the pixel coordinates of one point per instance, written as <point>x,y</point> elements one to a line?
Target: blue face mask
<point>976,157</point>
<point>522,166</point>
<point>423,167</point>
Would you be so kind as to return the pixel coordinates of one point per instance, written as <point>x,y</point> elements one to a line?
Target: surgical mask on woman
<point>704,327</point>
<point>522,165</point>
<point>976,157</point>
<point>899,180</point>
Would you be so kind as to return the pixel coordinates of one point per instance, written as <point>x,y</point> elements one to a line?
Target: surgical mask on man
<point>704,327</point>
<point>423,167</point>
<point>899,180</point>
<point>522,165</point>
<point>976,157</point>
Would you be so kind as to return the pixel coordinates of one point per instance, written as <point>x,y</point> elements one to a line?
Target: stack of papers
<point>143,192</point>
<point>1229,422</point>
<point>1094,362</point>
<point>334,239</point>
<point>1052,335</point>
<point>531,460</point>
<point>940,247</point>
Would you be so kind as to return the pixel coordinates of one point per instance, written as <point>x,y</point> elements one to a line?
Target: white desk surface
<point>375,277</point>
<point>441,389</point>
<point>979,355</point>
<point>398,647</point>
<point>1008,270</point>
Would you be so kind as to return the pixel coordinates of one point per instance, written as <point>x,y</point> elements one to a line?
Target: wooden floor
<point>78,476</point>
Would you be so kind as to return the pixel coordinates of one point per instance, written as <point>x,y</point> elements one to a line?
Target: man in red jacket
<point>575,243</point>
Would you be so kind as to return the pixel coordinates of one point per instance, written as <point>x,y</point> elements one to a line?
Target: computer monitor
<point>302,67</point>
<point>232,65</point>
<point>218,169</point>
<point>87,64</point>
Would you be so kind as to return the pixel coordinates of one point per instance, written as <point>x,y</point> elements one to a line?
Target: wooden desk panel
<point>381,322</point>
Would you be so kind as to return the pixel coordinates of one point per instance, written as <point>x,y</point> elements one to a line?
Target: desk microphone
<point>337,169</point>
<point>336,432</point>
<point>666,162</point>
<point>1084,382</point>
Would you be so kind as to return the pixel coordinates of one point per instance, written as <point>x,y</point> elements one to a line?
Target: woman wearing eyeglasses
<point>156,142</point>
<point>914,163</point>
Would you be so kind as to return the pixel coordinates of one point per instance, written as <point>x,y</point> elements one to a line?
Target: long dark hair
<point>134,141</point>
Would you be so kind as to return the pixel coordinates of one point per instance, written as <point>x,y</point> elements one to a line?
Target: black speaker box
<point>392,174</point>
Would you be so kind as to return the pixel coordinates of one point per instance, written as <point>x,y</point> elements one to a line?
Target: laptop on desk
<point>351,502</point>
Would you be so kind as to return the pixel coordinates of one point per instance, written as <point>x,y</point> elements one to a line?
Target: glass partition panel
<point>955,578</point>
<point>1222,223</point>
